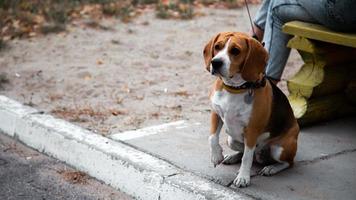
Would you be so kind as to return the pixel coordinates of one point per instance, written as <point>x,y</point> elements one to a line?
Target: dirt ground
<point>121,76</point>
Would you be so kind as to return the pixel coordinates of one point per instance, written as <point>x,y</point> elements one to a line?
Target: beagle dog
<point>257,116</point>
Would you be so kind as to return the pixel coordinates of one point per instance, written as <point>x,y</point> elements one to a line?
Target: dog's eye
<point>235,51</point>
<point>217,47</point>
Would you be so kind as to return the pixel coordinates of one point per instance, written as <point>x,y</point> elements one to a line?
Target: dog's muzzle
<point>216,65</point>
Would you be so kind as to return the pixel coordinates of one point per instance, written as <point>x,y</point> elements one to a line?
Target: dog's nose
<point>217,64</point>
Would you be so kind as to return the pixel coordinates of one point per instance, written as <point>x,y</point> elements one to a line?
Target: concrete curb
<point>123,167</point>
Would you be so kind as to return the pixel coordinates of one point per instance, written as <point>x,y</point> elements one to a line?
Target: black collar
<point>246,86</point>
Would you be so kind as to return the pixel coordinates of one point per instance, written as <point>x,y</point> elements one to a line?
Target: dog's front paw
<point>242,180</point>
<point>217,156</point>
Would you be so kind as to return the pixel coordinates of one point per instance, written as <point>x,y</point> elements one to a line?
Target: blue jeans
<point>338,15</point>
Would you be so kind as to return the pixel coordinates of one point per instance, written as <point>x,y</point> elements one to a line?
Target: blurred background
<point>111,66</point>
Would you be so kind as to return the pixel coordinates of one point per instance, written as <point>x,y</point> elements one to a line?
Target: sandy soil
<point>122,77</point>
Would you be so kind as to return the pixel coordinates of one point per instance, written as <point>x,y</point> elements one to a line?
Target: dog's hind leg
<point>232,158</point>
<point>283,151</point>
<point>273,169</point>
<point>236,157</point>
<point>280,165</point>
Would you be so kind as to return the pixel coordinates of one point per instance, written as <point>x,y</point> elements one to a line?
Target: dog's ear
<point>209,51</point>
<point>255,60</point>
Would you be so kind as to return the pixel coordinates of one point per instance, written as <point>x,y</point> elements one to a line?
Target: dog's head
<point>235,57</point>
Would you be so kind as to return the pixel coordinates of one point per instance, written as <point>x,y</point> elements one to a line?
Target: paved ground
<point>324,169</point>
<point>27,174</point>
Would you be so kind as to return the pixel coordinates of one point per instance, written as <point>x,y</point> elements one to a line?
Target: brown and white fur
<point>264,130</point>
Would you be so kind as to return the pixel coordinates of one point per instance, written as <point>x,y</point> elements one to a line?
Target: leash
<point>251,24</point>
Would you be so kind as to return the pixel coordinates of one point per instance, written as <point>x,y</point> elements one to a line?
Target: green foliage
<point>122,9</point>
<point>57,11</point>
<point>175,9</point>
<point>20,18</point>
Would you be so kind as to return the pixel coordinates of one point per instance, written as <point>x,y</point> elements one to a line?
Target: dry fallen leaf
<point>74,177</point>
<point>126,88</point>
<point>87,77</point>
<point>134,121</point>
<point>119,100</point>
<point>99,62</point>
<point>155,114</point>
<point>139,97</point>
<point>32,34</point>
<point>182,93</point>
<point>55,97</point>
<point>118,112</point>
<point>176,107</point>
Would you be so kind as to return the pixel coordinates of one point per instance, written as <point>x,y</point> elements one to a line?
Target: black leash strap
<point>249,16</point>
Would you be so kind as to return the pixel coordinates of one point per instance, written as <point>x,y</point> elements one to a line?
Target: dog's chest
<point>233,110</point>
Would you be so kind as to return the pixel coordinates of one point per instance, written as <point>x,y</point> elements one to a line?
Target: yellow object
<point>319,32</point>
<point>323,88</point>
<point>233,90</point>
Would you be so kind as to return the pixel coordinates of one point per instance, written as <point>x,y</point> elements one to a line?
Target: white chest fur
<point>234,112</point>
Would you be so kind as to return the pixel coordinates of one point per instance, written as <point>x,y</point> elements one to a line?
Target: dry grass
<point>84,113</point>
<point>182,9</point>
<point>79,114</point>
<point>183,93</point>
<point>95,116</point>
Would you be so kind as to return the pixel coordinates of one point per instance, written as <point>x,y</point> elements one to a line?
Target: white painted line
<point>152,130</point>
<point>132,171</point>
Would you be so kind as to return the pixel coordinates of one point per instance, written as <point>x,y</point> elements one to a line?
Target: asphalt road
<point>28,174</point>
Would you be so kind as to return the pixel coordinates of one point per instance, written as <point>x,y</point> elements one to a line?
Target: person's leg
<point>280,12</point>
<point>336,15</point>
<point>315,8</point>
